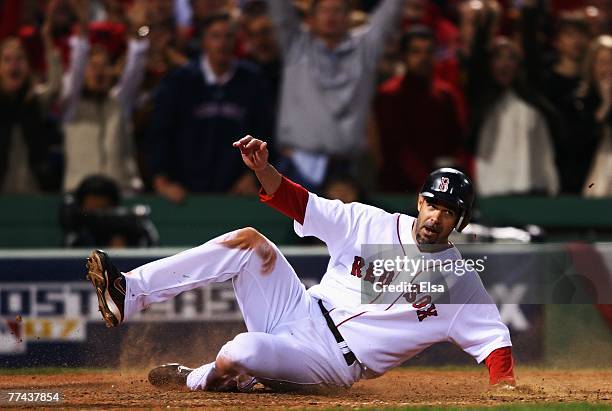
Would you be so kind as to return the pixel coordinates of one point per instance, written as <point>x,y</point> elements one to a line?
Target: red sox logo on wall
<point>443,186</point>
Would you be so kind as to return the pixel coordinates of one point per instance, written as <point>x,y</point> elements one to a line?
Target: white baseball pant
<point>288,340</point>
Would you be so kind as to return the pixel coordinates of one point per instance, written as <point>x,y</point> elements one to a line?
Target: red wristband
<point>290,199</point>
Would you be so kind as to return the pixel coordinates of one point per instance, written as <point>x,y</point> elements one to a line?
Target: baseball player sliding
<point>323,336</point>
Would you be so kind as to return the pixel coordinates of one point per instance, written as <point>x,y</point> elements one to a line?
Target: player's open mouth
<point>430,232</point>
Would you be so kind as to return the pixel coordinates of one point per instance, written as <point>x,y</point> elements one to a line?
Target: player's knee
<point>245,238</point>
<point>237,356</point>
<point>249,232</point>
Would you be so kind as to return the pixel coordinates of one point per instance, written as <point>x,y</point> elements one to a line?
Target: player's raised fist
<point>254,152</point>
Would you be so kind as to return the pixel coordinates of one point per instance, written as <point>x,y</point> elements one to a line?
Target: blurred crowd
<point>354,97</point>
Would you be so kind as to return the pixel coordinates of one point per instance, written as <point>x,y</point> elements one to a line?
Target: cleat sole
<point>96,275</point>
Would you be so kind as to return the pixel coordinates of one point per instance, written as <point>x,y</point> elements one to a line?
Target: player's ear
<point>420,201</point>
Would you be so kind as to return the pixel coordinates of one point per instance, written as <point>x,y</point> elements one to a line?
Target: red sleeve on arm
<point>290,199</point>
<point>501,366</point>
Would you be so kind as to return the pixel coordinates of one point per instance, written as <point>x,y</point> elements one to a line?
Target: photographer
<point>92,216</point>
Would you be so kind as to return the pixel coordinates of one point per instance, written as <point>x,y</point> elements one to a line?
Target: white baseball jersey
<point>288,340</point>
<point>383,336</point>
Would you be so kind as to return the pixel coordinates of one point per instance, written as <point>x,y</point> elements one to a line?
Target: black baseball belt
<point>349,357</point>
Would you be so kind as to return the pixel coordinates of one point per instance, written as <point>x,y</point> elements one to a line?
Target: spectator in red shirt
<point>418,118</point>
<point>446,34</point>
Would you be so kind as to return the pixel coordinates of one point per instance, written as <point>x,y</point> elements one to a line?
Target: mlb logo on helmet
<point>443,186</point>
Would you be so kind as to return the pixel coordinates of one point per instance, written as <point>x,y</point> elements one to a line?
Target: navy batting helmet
<point>451,187</point>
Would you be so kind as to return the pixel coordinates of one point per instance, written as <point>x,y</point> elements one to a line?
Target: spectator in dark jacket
<point>571,43</point>
<point>25,132</point>
<point>574,152</point>
<point>200,110</point>
<point>558,83</point>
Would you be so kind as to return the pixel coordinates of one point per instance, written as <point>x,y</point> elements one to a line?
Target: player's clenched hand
<point>254,152</point>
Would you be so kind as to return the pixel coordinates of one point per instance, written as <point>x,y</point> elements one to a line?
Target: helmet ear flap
<point>464,220</point>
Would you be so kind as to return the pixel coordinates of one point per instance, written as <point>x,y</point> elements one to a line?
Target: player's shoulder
<point>406,219</point>
<point>454,251</point>
<point>462,267</point>
<point>364,209</point>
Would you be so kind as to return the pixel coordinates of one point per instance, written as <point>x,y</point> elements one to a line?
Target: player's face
<point>434,223</point>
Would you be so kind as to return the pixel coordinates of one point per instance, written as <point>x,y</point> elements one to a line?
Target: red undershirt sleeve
<point>501,366</point>
<point>290,199</point>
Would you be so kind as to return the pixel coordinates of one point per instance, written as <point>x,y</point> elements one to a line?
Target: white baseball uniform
<point>288,338</point>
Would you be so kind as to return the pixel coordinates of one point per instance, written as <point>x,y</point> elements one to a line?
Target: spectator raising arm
<point>530,14</point>
<point>383,22</point>
<point>138,46</point>
<point>79,51</point>
<point>477,73</point>
<point>285,20</point>
<point>51,89</point>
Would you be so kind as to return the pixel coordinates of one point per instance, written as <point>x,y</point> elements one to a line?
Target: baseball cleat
<point>110,287</point>
<point>245,383</point>
<point>172,375</point>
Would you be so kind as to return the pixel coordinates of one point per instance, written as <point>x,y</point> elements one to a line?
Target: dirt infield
<point>402,387</point>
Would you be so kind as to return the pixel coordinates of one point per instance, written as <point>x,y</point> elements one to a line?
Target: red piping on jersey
<point>377,297</point>
<point>501,366</point>
<point>290,199</point>
<point>350,318</point>
<point>394,302</point>
<point>399,238</point>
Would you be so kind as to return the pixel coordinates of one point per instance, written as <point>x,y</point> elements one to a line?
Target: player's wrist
<point>261,169</point>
